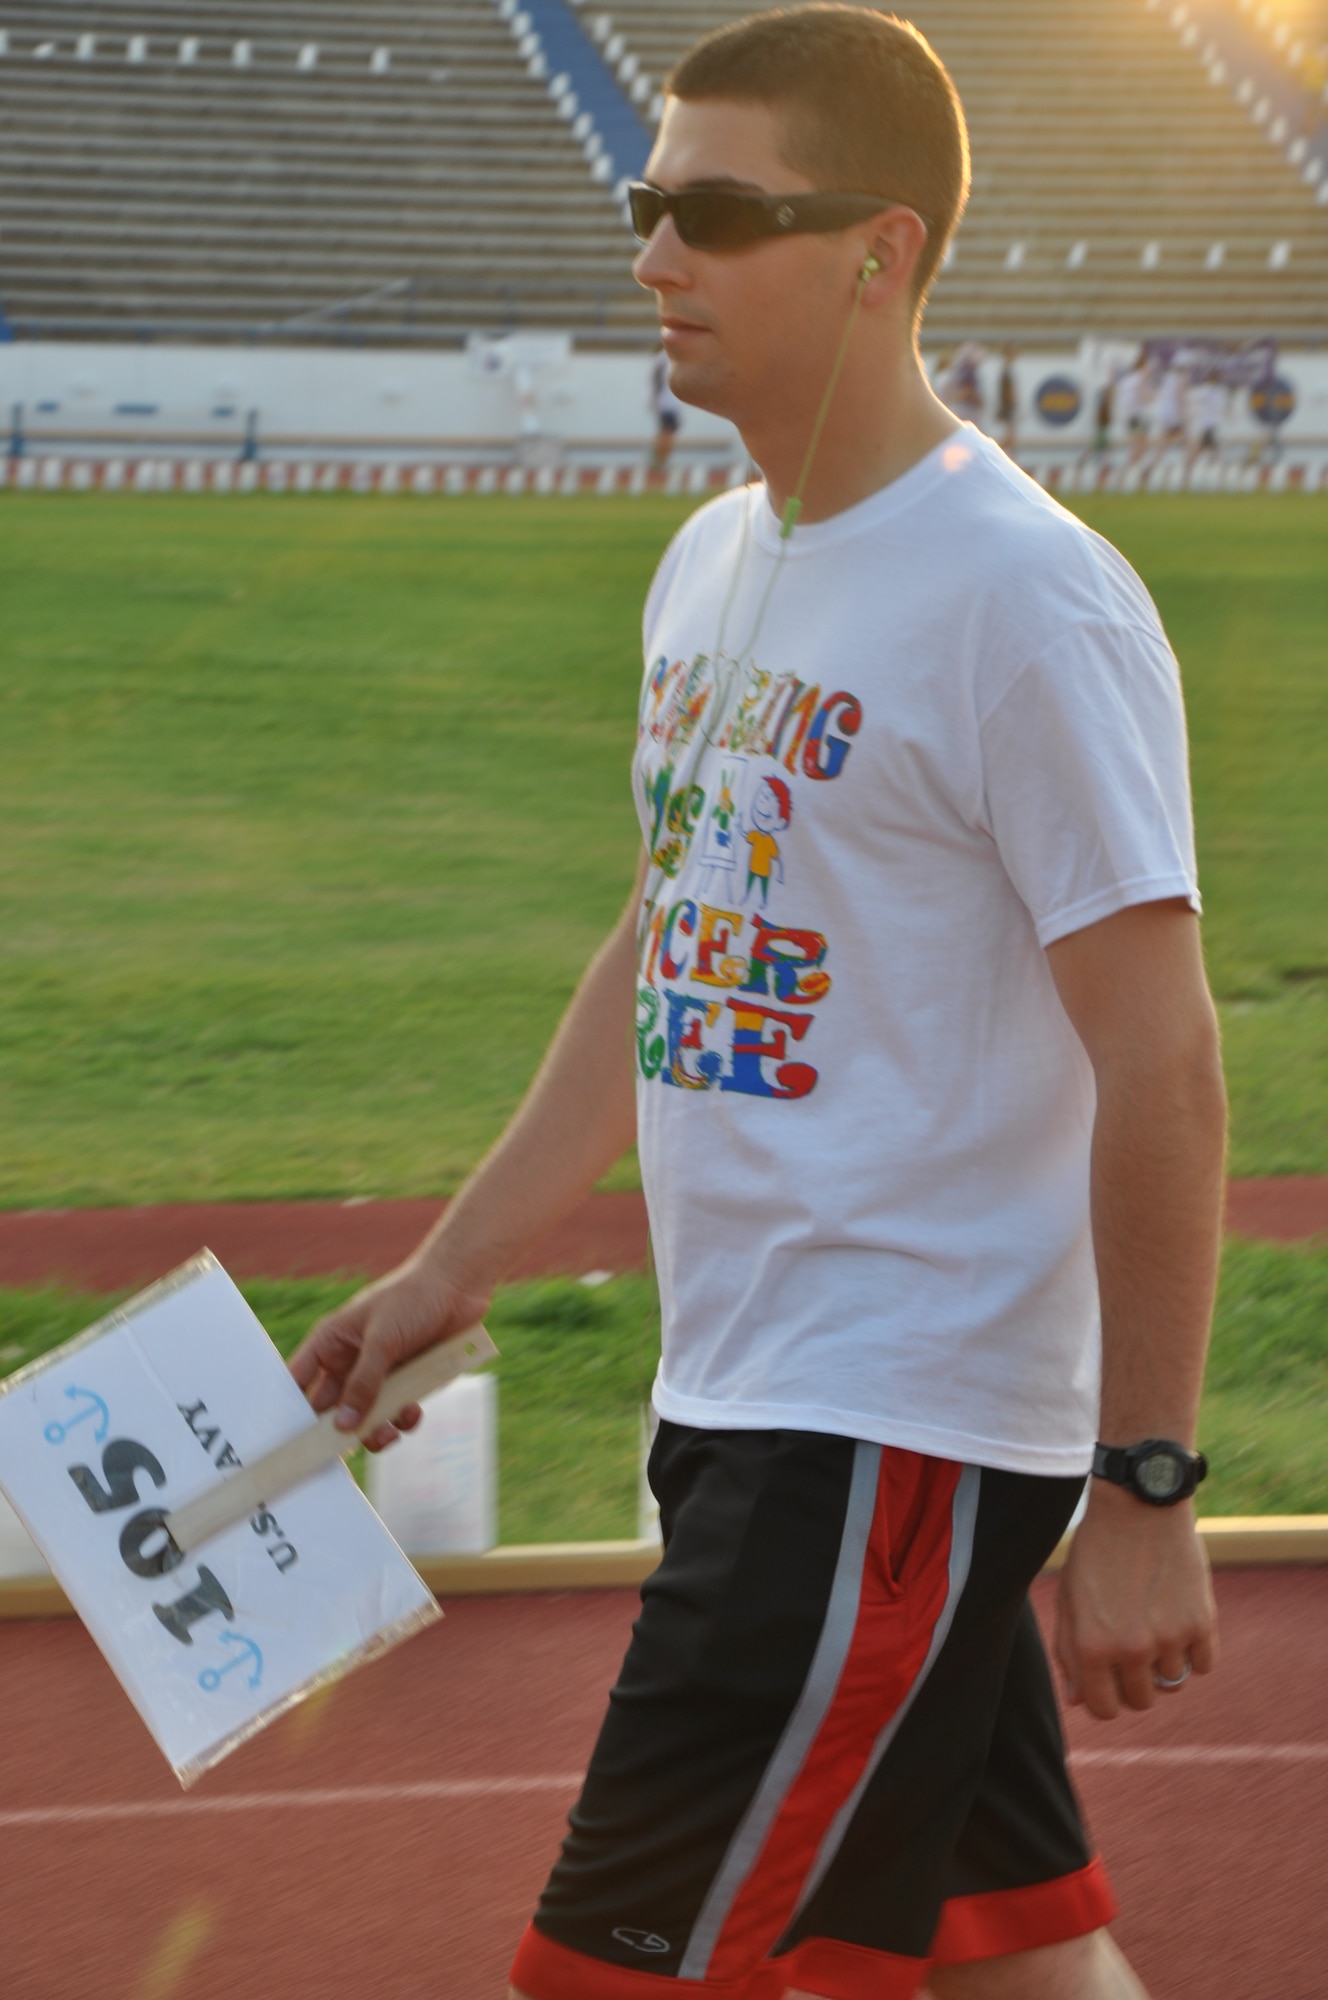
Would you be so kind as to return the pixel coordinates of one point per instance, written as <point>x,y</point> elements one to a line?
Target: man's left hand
<point>1136,1604</point>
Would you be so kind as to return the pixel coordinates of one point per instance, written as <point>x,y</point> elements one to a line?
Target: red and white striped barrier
<point>54,473</point>
<point>1304,472</point>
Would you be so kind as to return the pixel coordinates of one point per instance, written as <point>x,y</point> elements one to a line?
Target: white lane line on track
<point>1209,1753</point>
<point>447,1789</point>
<point>240,1802</point>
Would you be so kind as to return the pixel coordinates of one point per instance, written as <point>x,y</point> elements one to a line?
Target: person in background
<point>1168,427</point>
<point>1130,398</point>
<point>1207,408</point>
<point>960,387</point>
<point>1007,402</point>
<point>1104,417</point>
<point>667,412</point>
<point>1095,454</point>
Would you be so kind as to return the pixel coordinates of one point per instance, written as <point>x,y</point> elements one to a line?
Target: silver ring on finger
<point>1161,1681</point>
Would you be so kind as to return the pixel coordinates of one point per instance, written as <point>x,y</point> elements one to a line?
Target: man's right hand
<point>343,1361</point>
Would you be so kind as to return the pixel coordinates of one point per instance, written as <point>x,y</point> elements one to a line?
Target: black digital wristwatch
<point>1159,1470</point>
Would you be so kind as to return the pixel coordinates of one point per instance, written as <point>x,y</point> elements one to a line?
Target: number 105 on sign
<point>102,1439</point>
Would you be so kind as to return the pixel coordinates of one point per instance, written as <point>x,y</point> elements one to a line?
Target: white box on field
<point>436,1489</point>
<point>647,1507</point>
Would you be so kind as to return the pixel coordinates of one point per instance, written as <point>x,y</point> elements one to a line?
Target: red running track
<point>101,1249</point>
<point>305,1869</point>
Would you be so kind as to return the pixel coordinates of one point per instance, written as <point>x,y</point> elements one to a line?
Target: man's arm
<point>1136,1597</point>
<point>577,1118</point>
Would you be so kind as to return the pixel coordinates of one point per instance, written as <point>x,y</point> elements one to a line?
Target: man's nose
<point>662,262</point>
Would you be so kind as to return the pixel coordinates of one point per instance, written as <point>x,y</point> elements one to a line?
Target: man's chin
<point>701,388</point>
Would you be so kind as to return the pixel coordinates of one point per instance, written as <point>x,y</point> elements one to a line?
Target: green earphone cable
<point>788,521</point>
<point>793,505</point>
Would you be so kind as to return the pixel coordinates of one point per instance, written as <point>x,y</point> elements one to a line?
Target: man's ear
<point>896,244</point>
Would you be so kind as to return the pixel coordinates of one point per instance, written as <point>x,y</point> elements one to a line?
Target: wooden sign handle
<point>319,1445</point>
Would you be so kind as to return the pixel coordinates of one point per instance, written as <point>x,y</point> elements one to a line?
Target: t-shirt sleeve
<point>1086,778</point>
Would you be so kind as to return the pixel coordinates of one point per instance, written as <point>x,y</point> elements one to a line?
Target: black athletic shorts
<point>833,1755</point>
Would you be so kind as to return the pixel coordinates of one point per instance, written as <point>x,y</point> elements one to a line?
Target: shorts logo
<point>642,1940</point>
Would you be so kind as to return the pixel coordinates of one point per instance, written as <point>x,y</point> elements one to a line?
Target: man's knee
<point>1085,1968</point>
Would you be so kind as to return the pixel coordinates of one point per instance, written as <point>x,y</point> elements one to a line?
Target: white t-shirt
<point>955,736</point>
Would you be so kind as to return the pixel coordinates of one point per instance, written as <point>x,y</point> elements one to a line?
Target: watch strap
<point>1112,1462</point>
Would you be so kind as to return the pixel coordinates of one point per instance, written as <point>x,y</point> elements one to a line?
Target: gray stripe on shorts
<point>800,1732</point>
<point>963,1521</point>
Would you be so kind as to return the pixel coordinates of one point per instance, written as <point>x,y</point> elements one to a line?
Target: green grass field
<point>576,1365</point>
<point>1245,598</point>
<point>313,810</point>
<point>569,1436</point>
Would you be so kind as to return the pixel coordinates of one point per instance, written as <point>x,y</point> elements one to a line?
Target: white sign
<point>102,1438</point>
<point>437,1488</point>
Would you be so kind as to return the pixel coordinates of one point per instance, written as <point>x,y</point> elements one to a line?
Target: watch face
<point>1160,1475</point>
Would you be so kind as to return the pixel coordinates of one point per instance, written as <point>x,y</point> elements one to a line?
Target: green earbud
<point>869,270</point>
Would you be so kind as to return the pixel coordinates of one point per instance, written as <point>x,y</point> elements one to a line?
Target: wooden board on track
<point>1272,1541</point>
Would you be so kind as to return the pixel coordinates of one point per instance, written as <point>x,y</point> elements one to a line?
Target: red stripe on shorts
<point>546,1970</point>
<point>905,1582</point>
<point>1009,1920</point>
<point>835,1971</point>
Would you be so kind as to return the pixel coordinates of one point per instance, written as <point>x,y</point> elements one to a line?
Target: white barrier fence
<point>528,405</point>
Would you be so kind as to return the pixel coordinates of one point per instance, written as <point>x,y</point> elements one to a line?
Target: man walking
<point>931,1136</point>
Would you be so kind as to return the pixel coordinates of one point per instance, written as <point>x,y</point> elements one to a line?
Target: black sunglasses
<point>722,219</point>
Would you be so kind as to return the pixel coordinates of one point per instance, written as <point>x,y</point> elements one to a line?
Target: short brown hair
<point>869,106</point>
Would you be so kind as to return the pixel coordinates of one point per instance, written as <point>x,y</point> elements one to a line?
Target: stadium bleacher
<point>210,168</point>
<point>402,172</point>
<point>1118,187</point>
<point>1297,32</point>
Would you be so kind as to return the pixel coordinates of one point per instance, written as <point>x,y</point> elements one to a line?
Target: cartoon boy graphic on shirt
<point>771,811</point>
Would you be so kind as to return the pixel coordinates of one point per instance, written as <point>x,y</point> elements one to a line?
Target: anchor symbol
<point>56,1433</point>
<point>210,1678</point>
